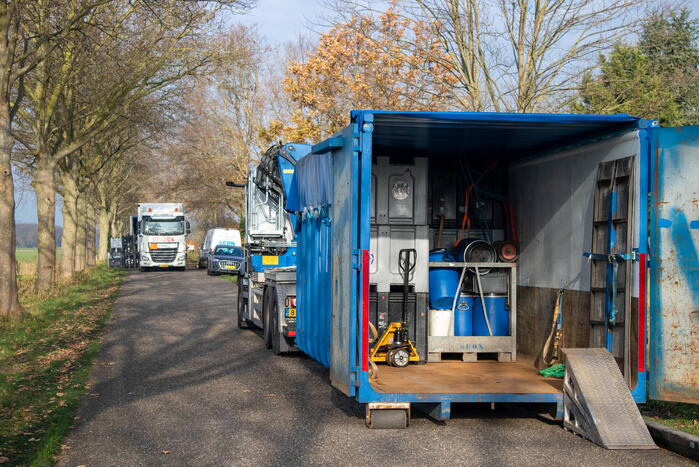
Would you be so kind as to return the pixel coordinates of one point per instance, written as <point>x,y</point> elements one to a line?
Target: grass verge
<point>230,278</point>
<point>683,417</point>
<point>45,362</point>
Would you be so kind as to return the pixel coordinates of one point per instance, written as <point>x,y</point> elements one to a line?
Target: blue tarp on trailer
<point>311,186</point>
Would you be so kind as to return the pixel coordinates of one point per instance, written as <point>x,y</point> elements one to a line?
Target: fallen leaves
<point>165,451</point>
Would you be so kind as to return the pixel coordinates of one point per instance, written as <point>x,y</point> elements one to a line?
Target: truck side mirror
<point>189,228</point>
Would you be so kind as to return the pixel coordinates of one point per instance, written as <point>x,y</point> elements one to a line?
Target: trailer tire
<point>266,316</point>
<point>242,322</point>
<point>387,419</point>
<point>276,335</point>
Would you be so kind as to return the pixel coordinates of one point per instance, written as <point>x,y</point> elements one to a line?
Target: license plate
<point>232,267</point>
<point>291,312</point>
<point>164,265</point>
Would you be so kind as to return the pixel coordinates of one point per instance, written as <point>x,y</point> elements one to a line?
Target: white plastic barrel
<point>441,323</point>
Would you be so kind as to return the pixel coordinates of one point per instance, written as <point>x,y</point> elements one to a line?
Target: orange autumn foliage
<point>364,64</point>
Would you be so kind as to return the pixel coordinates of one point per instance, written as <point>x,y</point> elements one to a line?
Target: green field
<point>26,255</point>
<point>29,255</point>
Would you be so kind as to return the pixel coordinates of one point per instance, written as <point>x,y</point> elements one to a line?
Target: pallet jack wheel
<point>387,419</point>
<point>398,357</point>
<point>389,357</point>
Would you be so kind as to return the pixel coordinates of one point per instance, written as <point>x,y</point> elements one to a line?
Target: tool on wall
<point>549,352</point>
<point>394,346</point>
<point>438,243</point>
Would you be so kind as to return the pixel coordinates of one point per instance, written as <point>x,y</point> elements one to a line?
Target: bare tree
<point>514,55</point>
<point>223,114</point>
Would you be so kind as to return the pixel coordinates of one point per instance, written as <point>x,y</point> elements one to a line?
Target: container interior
<point>436,181</point>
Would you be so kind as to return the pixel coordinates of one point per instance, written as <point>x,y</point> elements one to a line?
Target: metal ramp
<point>597,403</point>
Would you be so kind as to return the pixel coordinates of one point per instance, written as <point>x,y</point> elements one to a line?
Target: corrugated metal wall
<point>314,287</point>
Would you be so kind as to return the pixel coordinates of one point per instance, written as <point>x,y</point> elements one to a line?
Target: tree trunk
<point>103,221</point>
<point>45,189</point>
<point>70,226</point>
<point>81,237</point>
<point>9,301</point>
<point>91,236</point>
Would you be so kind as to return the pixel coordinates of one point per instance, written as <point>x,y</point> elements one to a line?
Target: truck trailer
<point>601,209</point>
<point>267,284</point>
<point>161,235</point>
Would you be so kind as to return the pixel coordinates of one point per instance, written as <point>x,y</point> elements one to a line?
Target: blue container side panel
<point>674,263</point>
<point>345,300</point>
<point>313,289</point>
<point>309,199</point>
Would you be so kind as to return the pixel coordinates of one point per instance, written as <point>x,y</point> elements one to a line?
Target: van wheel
<point>242,322</point>
<point>266,324</point>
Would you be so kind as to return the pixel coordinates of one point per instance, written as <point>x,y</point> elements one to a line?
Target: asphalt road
<point>176,383</point>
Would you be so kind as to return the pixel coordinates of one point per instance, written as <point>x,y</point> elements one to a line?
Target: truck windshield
<point>173,227</point>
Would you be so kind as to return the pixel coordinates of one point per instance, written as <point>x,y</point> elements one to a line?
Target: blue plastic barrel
<point>463,315</point>
<point>498,315</point>
<point>443,281</point>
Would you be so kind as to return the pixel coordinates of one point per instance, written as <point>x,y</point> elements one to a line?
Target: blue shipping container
<point>555,166</point>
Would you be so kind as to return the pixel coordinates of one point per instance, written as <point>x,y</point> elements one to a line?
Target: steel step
<point>597,403</point>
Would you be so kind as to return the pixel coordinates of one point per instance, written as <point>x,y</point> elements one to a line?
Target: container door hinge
<point>357,259</point>
<point>612,258</point>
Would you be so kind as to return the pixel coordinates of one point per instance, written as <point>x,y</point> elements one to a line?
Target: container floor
<point>465,378</point>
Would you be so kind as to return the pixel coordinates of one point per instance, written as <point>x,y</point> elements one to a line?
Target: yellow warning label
<point>270,260</point>
<point>288,171</point>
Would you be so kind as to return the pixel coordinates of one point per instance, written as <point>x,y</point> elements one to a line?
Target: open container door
<point>345,262</point>
<point>674,287</point>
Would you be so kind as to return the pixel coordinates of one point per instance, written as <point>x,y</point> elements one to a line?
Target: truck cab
<point>161,236</point>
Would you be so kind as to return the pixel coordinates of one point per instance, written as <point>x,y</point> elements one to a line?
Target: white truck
<point>161,236</point>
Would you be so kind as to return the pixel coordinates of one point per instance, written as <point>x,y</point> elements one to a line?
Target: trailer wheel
<point>276,336</point>
<point>387,419</point>
<point>266,316</point>
<point>242,322</point>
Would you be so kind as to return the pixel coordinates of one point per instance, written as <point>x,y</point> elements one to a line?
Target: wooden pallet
<point>468,356</point>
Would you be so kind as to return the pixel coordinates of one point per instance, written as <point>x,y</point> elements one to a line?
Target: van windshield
<point>169,227</point>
